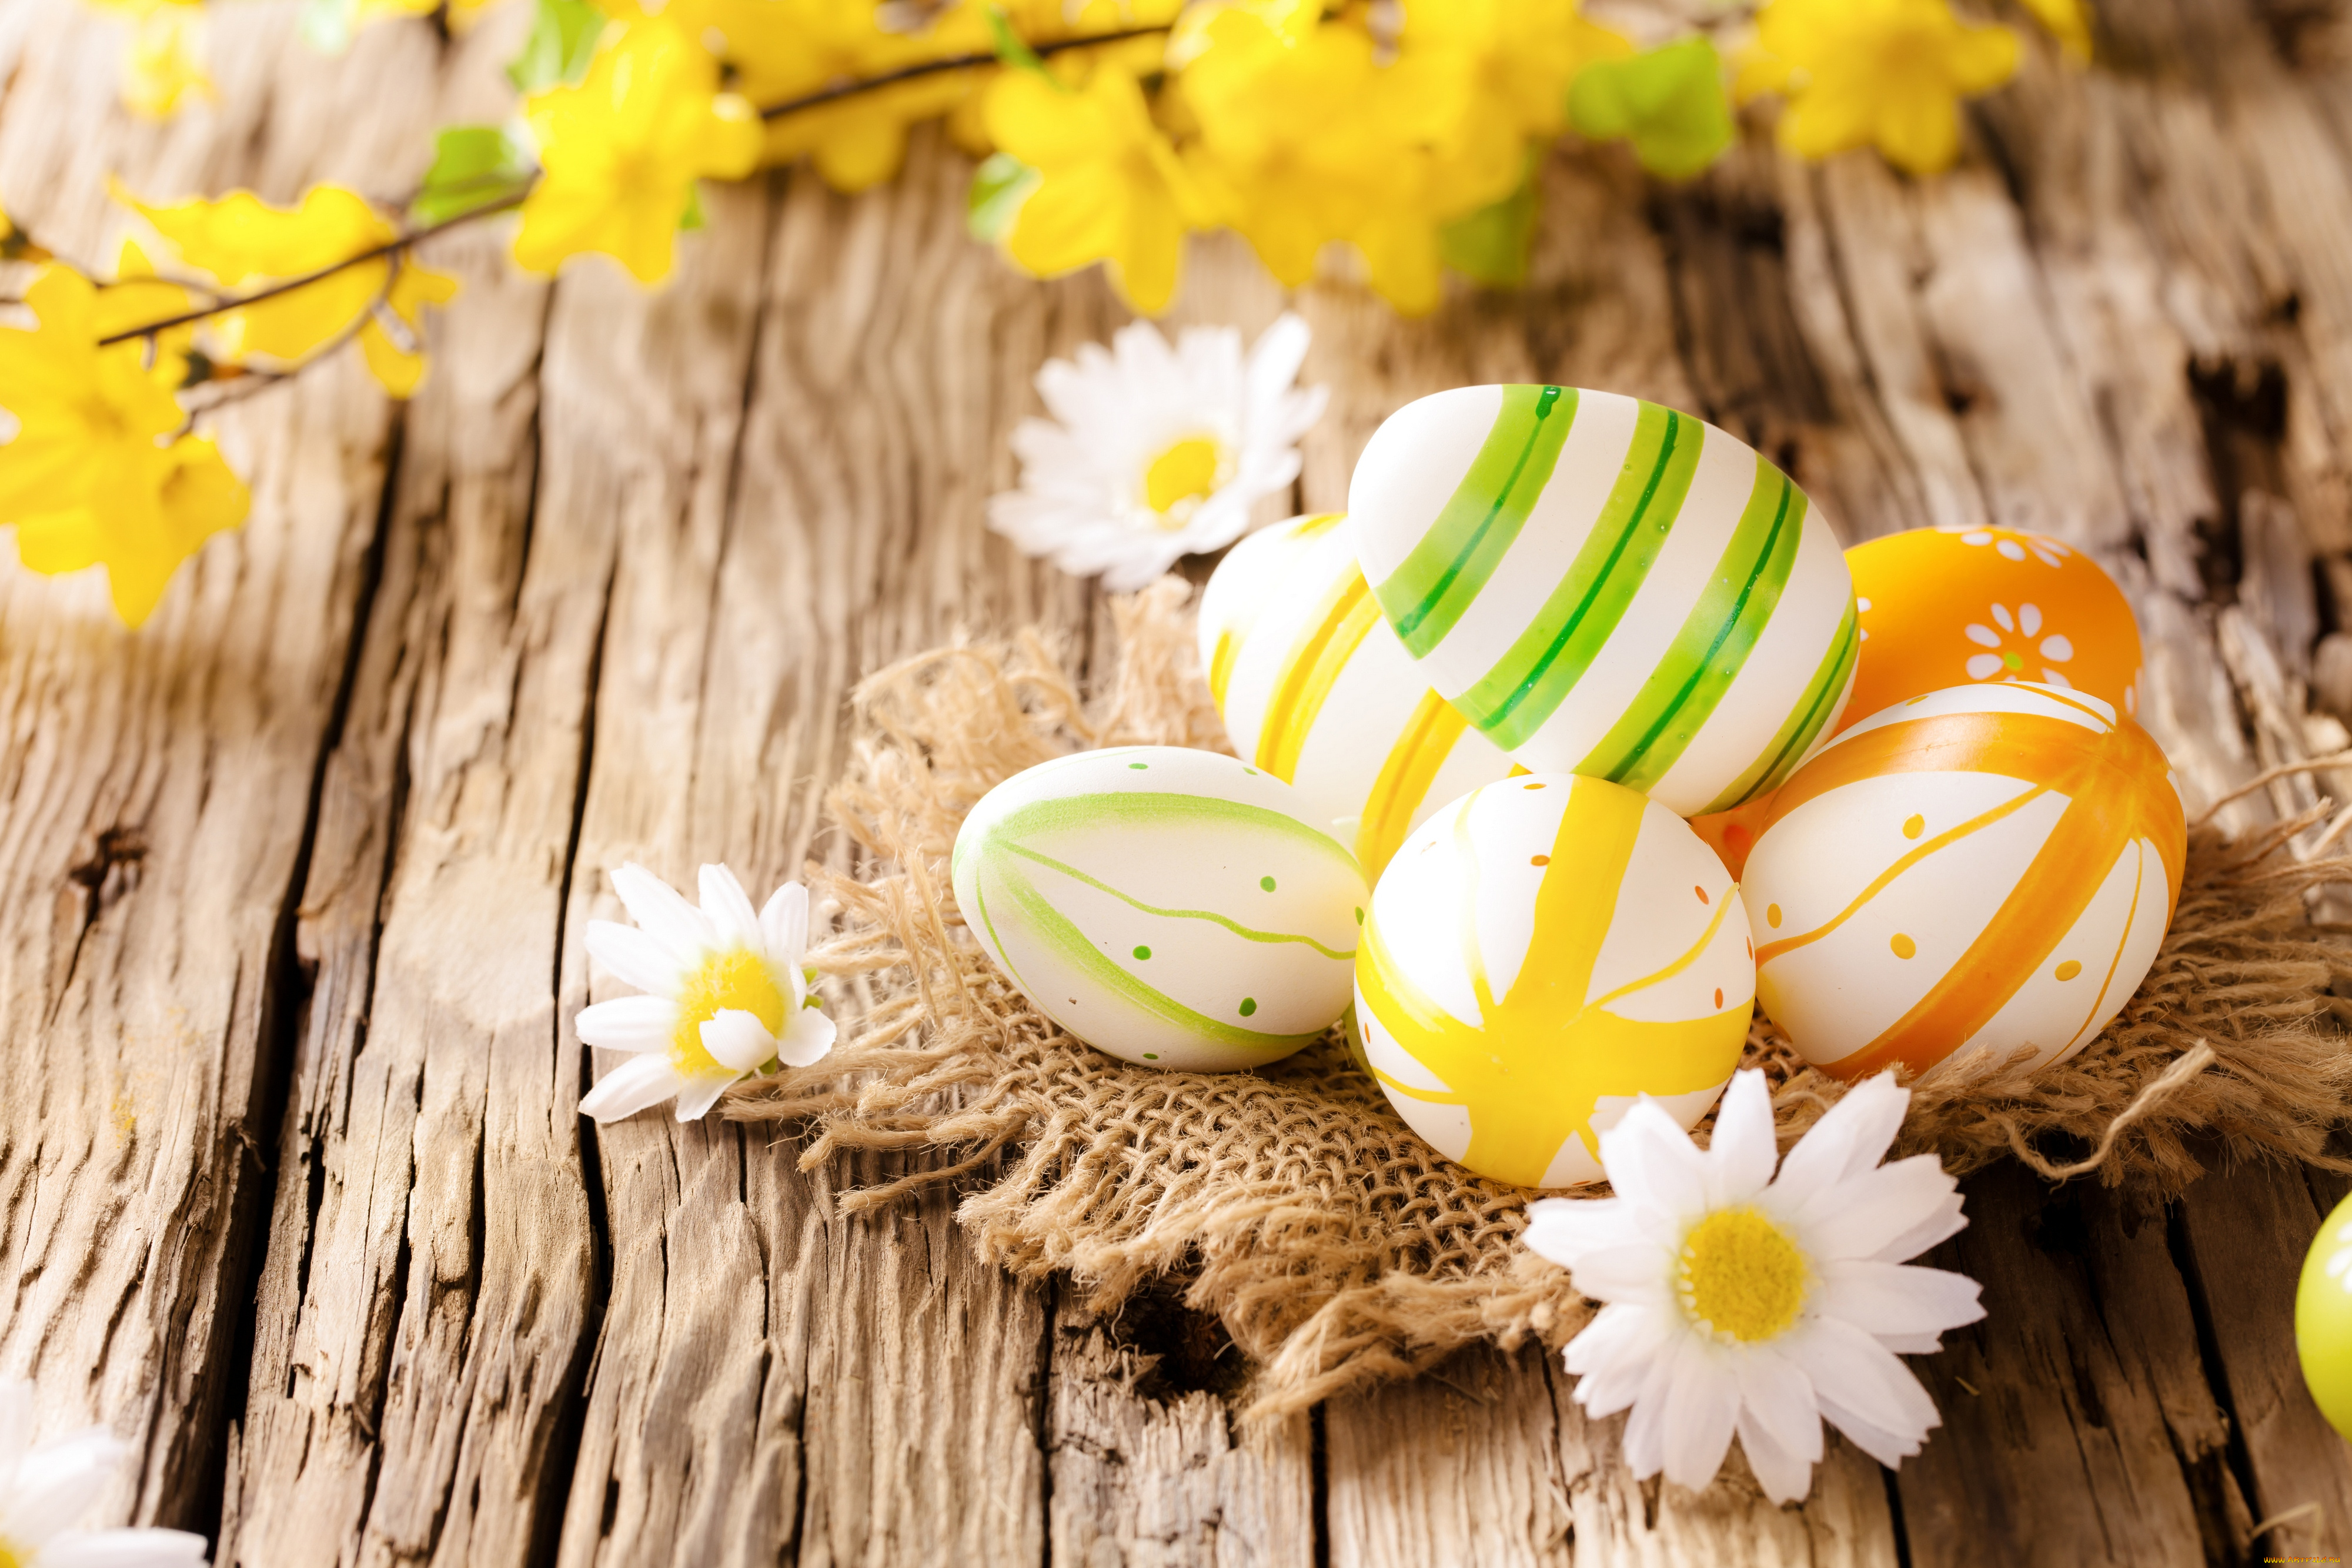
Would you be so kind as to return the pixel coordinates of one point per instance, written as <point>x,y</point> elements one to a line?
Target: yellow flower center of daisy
<point>1741,1276</point>
<point>9,1557</point>
<point>738,978</point>
<point>1187,471</point>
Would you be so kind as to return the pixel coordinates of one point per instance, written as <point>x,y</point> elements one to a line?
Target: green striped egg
<point>1609,588</point>
<point>1173,907</point>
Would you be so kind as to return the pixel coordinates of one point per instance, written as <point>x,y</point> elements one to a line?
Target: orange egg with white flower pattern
<point>1950,607</point>
<point>1987,869</point>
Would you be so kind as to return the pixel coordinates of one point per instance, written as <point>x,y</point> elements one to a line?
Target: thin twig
<point>840,90</point>
<point>2272,776</point>
<point>288,286</point>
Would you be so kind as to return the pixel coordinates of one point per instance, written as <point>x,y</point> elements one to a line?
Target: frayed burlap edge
<point>1336,1248</point>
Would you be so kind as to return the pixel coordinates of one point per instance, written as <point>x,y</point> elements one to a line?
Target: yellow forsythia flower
<point>137,296</point>
<point>163,64</point>
<point>1890,72</point>
<point>87,479</point>
<point>622,150</point>
<point>1303,137</point>
<point>400,365</point>
<point>784,49</point>
<point>1111,187</point>
<point>1492,74</point>
<point>2069,22</point>
<point>244,242</point>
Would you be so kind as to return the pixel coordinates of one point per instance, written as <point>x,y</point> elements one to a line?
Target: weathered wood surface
<point>292,1190</point>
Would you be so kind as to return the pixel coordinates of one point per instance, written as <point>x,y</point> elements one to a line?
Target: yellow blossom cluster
<point>1405,130</point>
<point>103,467</point>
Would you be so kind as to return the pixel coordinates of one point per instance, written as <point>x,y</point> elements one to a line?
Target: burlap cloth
<point>1335,1247</point>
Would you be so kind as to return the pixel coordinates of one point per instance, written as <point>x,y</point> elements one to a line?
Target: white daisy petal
<point>635,958</point>
<point>1890,1299</point>
<point>1855,1374</point>
<point>640,1081</point>
<point>1645,1428</point>
<point>1778,1397</point>
<point>1784,1477</point>
<point>1889,1448</point>
<point>738,1039</point>
<point>1701,1410</point>
<point>57,1483</point>
<point>1849,1139</point>
<point>1561,1228</point>
<point>1664,1175</point>
<point>124,1548</point>
<point>807,1039</point>
<point>1612,1356</point>
<point>784,929</point>
<point>628,1023</point>
<point>1742,1153</point>
<point>1909,1204</point>
<point>698,1095</point>
<point>1640,1273</point>
<point>664,914</point>
<point>728,908</point>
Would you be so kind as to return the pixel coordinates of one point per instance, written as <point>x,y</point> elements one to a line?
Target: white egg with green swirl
<point>1175,908</point>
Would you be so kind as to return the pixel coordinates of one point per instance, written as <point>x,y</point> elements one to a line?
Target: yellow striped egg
<point>1317,690</point>
<point>1984,868</point>
<point>1170,907</point>
<point>1540,954</point>
<point>1606,587</point>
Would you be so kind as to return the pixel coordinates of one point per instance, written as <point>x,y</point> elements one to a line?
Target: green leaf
<point>999,186</point>
<point>328,25</point>
<point>691,219</point>
<point>563,35</point>
<point>1490,246</point>
<point>1669,102</point>
<point>472,166</point>
<point>1012,48</point>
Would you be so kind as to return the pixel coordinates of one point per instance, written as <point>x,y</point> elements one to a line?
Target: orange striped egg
<point>1986,868</point>
<point>1943,606</point>
<point>1318,691</point>
<point>1540,954</point>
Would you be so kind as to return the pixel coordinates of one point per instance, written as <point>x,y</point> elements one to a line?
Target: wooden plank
<point>2077,1424</point>
<point>1460,1466</point>
<point>850,416</point>
<point>1149,1468</point>
<point>2245,1234</point>
<point>158,786</point>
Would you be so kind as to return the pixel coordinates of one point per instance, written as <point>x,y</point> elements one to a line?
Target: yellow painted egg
<point>1607,587</point>
<point>1318,691</point>
<point>2323,1318</point>
<point>1943,606</point>
<point>1986,868</point>
<point>1540,954</point>
<point>1170,907</point>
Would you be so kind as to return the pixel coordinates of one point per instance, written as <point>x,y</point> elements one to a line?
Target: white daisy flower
<point>45,1490</point>
<point>727,993</point>
<point>1737,1301</point>
<point>1155,453</point>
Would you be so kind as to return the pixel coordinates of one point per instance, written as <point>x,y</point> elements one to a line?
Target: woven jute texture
<point>1335,1247</point>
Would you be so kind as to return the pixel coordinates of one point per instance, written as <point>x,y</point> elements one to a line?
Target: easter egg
<point>1169,906</point>
<point>1606,587</point>
<point>1540,954</point>
<point>1318,691</point>
<point>1983,868</point>
<point>1944,607</point>
<point>2323,1318</point>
